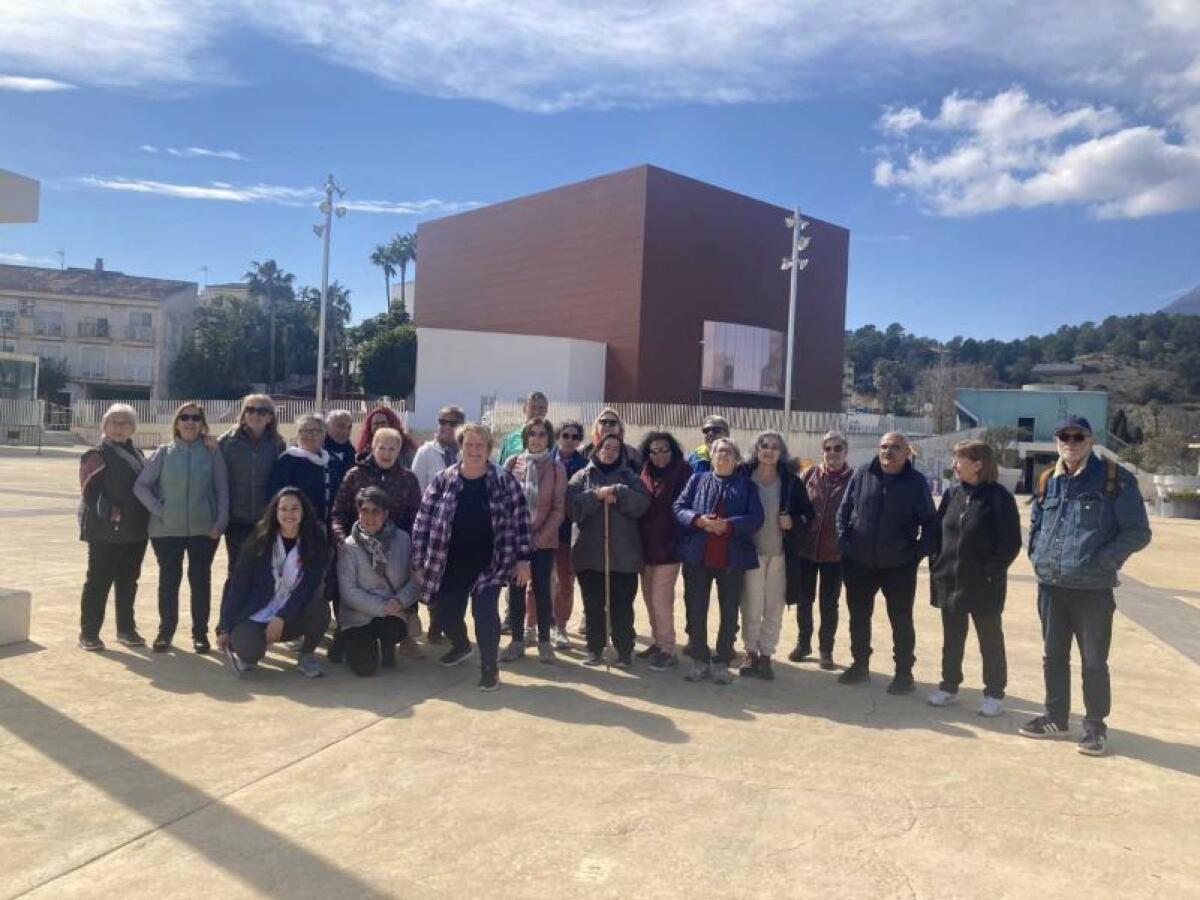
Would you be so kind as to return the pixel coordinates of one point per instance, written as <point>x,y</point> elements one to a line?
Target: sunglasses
<point>1072,437</point>
<point>712,430</point>
<point>834,448</point>
<point>453,422</point>
<point>191,417</point>
<point>258,411</point>
<point>608,423</point>
<point>571,436</point>
<point>660,451</point>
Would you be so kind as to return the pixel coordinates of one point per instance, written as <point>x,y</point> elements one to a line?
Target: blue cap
<point>1073,422</point>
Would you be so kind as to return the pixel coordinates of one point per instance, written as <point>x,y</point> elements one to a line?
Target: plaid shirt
<point>435,521</point>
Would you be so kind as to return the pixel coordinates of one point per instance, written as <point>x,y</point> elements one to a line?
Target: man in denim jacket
<point>1088,518</point>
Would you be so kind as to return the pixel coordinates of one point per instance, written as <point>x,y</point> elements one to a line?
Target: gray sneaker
<point>699,672</point>
<point>721,673</point>
<point>308,666</point>
<point>662,661</point>
<point>561,641</point>
<point>514,651</point>
<point>546,653</point>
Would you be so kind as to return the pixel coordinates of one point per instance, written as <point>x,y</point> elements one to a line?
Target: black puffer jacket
<point>109,513</point>
<point>978,539</point>
<point>886,520</point>
<point>249,465</point>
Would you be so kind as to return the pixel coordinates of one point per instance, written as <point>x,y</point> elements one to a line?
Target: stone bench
<point>14,616</point>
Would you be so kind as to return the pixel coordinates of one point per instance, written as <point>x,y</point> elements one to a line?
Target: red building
<point>681,280</point>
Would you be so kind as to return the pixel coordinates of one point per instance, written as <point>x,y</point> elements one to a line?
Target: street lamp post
<point>796,264</point>
<point>322,231</point>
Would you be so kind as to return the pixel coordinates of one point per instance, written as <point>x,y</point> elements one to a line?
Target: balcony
<point>115,375</point>
<point>141,334</point>
<point>93,329</point>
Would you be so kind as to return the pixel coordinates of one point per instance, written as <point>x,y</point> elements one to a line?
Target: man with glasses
<point>714,427</point>
<point>536,406</point>
<point>1087,519</point>
<point>442,451</point>
<point>885,524</point>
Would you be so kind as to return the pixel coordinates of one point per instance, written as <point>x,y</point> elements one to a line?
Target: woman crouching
<point>275,592</point>
<point>374,584</point>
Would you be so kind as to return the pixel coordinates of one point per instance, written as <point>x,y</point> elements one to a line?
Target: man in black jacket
<point>885,524</point>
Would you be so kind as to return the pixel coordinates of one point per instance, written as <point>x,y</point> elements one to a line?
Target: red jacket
<point>404,496</point>
<point>819,541</point>
<point>660,529</point>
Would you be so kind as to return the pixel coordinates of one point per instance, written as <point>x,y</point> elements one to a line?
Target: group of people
<point>368,533</point>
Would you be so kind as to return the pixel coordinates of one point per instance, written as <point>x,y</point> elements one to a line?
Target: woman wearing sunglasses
<point>249,450</point>
<point>570,439</point>
<point>816,569</point>
<point>609,423</point>
<point>185,487</point>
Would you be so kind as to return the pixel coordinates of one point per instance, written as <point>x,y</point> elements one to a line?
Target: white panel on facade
<point>18,198</point>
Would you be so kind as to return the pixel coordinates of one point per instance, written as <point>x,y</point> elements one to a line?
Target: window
<point>139,365</point>
<point>49,322</point>
<point>52,351</point>
<point>141,326</point>
<point>742,358</point>
<point>27,307</point>
<point>1026,428</point>
<point>93,362</point>
<point>95,328</point>
<point>8,321</point>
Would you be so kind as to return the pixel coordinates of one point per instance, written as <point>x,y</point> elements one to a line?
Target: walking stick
<point>607,593</point>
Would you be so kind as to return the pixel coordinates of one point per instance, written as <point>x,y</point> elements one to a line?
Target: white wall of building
<point>19,198</point>
<point>459,368</point>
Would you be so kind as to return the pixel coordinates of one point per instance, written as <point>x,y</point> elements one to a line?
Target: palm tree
<point>404,251</point>
<point>266,279</point>
<point>337,319</point>
<point>383,257</point>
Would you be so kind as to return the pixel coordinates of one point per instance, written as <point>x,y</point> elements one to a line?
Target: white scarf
<point>287,569</point>
<point>320,459</point>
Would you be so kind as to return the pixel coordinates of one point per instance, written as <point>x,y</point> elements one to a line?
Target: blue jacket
<point>885,520</point>
<point>252,585</point>
<point>743,509</point>
<point>308,476</point>
<point>1079,536</point>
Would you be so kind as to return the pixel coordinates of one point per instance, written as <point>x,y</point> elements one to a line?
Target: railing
<point>22,412</point>
<point>142,333</point>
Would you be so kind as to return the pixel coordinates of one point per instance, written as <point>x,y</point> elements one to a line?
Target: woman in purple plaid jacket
<point>470,538</point>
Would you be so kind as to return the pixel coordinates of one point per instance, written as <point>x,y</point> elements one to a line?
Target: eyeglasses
<point>449,422</point>
<point>892,448</point>
<point>312,431</point>
<point>1072,437</point>
<point>609,423</point>
<point>834,448</point>
<point>712,430</point>
<point>258,410</point>
<point>571,436</point>
<point>191,417</point>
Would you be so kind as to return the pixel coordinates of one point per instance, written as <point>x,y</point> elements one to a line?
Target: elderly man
<point>714,427</point>
<point>885,524</point>
<point>1087,519</point>
<point>536,406</point>
<point>442,451</point>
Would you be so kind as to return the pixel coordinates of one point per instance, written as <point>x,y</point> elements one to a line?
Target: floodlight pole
<point>791,326</point>
<point>327,208</point>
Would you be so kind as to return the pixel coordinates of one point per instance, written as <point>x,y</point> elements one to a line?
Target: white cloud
<point>20,259</point>
<point>32,85</point>
<point>192,152</point>
<point>981,155</point>
<point>270,193</point>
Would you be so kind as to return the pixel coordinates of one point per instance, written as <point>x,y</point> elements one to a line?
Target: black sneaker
<point>1042,727</point>
<point>457,654</point>
<point>750,668</point>
<point>201,644</point>
<point>1093,743</point>
<point>130,639</point>
<point>902,683</point>
<point>827,662</point>
<point>800,653</point>
<point>161,644</point>
<point>856,674</point>
<point>387,655</point>
<point>624,662</point>
<point>336,652</point>
<point>648,652</point>
<point>489,678</point>
<point>765,672</point>
<point>91,644</point>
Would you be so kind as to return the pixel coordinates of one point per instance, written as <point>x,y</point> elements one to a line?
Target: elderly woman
<point>719,511</point>
<point>338,426</point>
<point>113,523</point>
<point>374,585</point>
<point>786,510</point>
<point>570,439</point>
<point>185,487</point>
<point>977,539</point>
<point>818,558</point>
<point>543,480</point>
<point>249,450</point>
<point>385,417</point>
<point>608,422</point>
<point>471,537</point>
<point>306,465</point>
<point>274,593</point>
<point>664,476</point>
<point>606,500</point>
<point>381,466</point>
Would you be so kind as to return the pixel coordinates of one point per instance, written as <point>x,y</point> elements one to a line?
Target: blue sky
<point>1004,168</point>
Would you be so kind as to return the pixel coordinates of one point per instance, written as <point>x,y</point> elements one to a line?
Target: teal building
<point>1034,410</point>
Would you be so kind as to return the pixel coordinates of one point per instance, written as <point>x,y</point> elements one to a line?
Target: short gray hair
<point>305,418</point>
<point>337,415</point>
<point>119,409</point>
<point>835,435</point>
<point>712,448</point>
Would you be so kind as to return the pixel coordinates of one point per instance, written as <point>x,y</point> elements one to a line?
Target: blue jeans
<point>1084,616</point>
<point>451,616</point>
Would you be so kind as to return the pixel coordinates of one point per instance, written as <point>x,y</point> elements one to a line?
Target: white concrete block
<point>15,608</point>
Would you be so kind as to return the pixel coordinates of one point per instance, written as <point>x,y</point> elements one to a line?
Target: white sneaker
<point>941,698</point>
<point>561,641</point>
<point>531,635</point>
<point>991,707</point>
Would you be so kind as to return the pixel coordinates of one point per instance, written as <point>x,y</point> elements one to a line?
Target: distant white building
<point>410,297</point>
<point>116,333</point>
<point>237,289</point>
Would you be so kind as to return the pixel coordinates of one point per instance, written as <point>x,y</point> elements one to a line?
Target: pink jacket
<point>552,500</point>
<point>819,541</point>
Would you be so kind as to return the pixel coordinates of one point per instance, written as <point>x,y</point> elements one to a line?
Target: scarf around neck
<point>286,567</point>
<point>320,459</point>
<point>532,486</point>
<point>126,453</point>
<point>378,547</point>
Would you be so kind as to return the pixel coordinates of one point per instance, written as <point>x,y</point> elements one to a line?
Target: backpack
<point>1111,486</point>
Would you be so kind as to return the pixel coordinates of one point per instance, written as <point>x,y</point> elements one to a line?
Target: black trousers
<point>807,573</point>
<point>170,551</point>
<point>1077,616</point>
<point>110,566</point>
<point>899,587</point>
<point>541,565</point>
<point>368,645</point>
<point>249,638</point>
<point>235,535</point>
<point>451,612</point>
<point>622,588</point>
<point>990,633</point>
<point>697,591</point>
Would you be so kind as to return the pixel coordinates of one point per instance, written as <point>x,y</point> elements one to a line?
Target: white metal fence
<point>22,412</point>
<point>802,431</point>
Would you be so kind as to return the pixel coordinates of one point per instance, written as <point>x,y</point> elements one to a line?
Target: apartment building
<point>116,333</point>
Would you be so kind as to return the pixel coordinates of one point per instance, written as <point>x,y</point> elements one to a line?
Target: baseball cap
<point>1078,422</point>
<point>715,422</point>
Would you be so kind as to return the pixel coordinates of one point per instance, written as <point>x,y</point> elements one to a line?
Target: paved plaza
<point>131,774</point>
